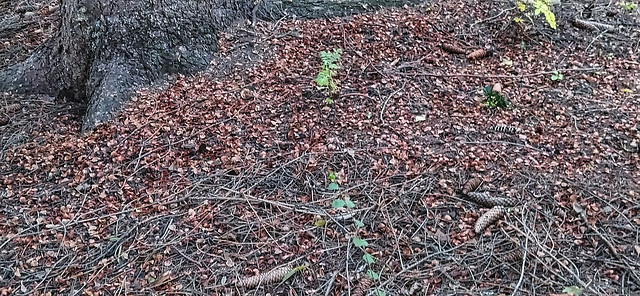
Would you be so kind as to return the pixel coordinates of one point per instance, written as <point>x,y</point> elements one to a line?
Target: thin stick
<point>504,142</point>
<point>330,284</point>
<point>524,261</point>
<point>544,249</point>
<point>384,105</point>
<point>509,76</point>
<point>409,267</point>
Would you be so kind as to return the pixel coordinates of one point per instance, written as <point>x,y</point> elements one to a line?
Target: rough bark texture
<point>106,49</point>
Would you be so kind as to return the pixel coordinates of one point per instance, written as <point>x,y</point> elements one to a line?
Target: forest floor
<point>196,187</point>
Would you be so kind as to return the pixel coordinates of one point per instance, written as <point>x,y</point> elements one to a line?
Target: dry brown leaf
<point>163,279</point>
<point>497,88</point>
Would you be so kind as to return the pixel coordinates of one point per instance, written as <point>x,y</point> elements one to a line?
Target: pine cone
<point>11,108</point>
<point>273,276</point>
<point>589,25</point>
<point>453,49</point>
<point>490,217</point>
<point>514,256</point>
<point>507,129</point>
<point>471,185</point>
<point>361,288</point>
<point>478,54</point>
<point>485,199</point>
<point>582,24</point>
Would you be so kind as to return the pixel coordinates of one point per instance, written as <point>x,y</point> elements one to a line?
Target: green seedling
<point>332,181</point>
<point>357,241</point>
<point>293,271</point>
<point>628,6</point>
<point>540,7</point>
<point>330,63</point>
<point>494,99</point>
<point>556,76</point>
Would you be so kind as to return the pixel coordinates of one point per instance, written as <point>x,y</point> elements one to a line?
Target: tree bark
<point>106,49</point>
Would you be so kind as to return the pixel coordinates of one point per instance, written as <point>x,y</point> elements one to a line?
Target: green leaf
<point>332,176</point>
<point>379,292</point>
<point>551,19</point>
<point>333,186</point>
<point>574,290</point>
<point>358,223</point>
<point>358,242</point>
<point>487,90</point>
<point>628,6</point>
<point>321,223</point>
<point>373,275</point>
<point>507,62</point>
<point>293,271</point>
<point>368,258</point>
<point>521,6</point>
<point>556,76</point>
<point>543,6</point>
<point>349,204</point>
<point>337,204</point>
<point>329,58</point>
<point>323,79</point>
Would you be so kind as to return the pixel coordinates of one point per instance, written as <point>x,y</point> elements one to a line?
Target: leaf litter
<point>217,179</point>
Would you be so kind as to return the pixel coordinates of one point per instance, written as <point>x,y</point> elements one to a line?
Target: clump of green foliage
<point>494,99</point>
<point>556,75</point>
<point>357,241</point>
<point>540,7</point>
<point>326,77</point>
<point>628,5</point>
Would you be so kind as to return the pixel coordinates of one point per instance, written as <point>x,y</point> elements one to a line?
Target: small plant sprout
<point>345,203</point>
<point>628,5</point>
<point>494,99</point>
<point>332,181</point>
<point>325,78</point>
<point>556,76</point>
<point>540,7</point>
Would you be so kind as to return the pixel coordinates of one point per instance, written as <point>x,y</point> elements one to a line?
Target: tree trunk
<point>106,49</point>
